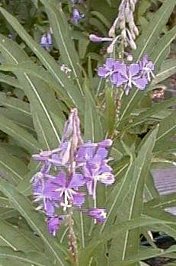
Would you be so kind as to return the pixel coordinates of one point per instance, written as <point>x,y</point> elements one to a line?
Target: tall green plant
<point>33,123</point>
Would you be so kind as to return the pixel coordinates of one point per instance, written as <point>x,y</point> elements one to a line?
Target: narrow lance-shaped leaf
<point>168,68</point>
<point>23,137</point>
<point>35,89</point>
<point>92,124</point>
<point>19,239</point>
<point>132,204</point>
<point>162,46</point>
<point>34,219</point>
<point>62,35</point>
<point>33,258</point>
<point>11,168</point>
<point>65,86</point>
<point>112,232</point>
<point>167,129</point>
<point>9,80</point>
<point>147,253</point>
<point>151,33</point>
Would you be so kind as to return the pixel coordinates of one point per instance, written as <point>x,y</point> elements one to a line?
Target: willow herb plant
<point>81,135</point>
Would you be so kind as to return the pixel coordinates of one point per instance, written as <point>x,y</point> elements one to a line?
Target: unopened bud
<point>129,58</point>
<point>111,32</point>
<point>123,34</point>
<point>122,24</point>
<point>132,44</point>
<point>95,38</point>
<point>135,29</point>
<point>110,48</point>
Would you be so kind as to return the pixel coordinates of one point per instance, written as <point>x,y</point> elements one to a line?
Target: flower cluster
<point>69,173</point>
<point>125,23</point>
<point>127,75</point>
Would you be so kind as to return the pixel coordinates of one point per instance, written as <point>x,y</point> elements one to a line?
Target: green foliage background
<point>35,100</point>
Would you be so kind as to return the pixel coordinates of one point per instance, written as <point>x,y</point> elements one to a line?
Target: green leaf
<point>153,110</point>
<point>42,99</point>
<point>112,232</point>
<point>146,253</point>
<point>21,136</point>
<point>92,125</point>
<point>102,18</point>
<point>145,44</point>
<point>132,204</point>
<point>19,239</point>
<point>162,202</point>
<point>162,46</point>
<point>32,258</point>
<point>150,189</point>
<point>167,129</point>
<point>11,168</point>
<point>110,112</point>
<point>149,36</point>
<point>16,110</point>
<point>168,68</point>
<point>9,80</point>
<point>34,219</point>
<point>65,85</point>
<point>63,39</point>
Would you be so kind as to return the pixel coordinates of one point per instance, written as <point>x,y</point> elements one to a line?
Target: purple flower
<point>128,75</point>
<point>76,16</point>
<point>98,214</point>
<point>67,190</point>
<point>54,224</point>
<point>111,66</point>
<point>92,158</point>
<point>46,41</point>
<point>133,77</point>
<point>147,67</point>
<point>67,171</point>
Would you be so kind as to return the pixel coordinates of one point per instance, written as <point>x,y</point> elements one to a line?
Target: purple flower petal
<point>105,143</point>
<point>102,72</point>
<point>49,207</point>
<point>78,199</point>
<point>76,16</point>
<point>117,79</point>
<point>134,69</point>
<point>77,181</point>
<point>110,62</point>
<point>54,224</point>
<point>98,214</point>
<point>140,83</point>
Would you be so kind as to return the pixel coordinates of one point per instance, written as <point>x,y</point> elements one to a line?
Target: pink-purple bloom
<point>54,224</point>
<point>92,158</point>
<point>76,16</point>
<point>127,75</point>
<point>70,174</point>
<point>98,214</point>
<point>46,41</point>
